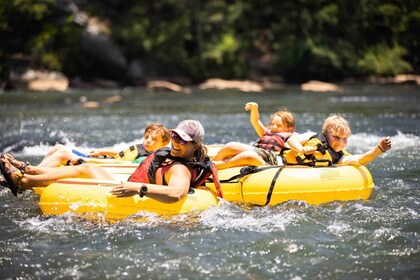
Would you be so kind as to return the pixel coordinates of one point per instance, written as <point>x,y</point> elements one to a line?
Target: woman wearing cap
<point>182,167</point>
<point>185,165</point>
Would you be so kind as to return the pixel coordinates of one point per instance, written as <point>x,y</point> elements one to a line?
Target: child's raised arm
<point>255,118</point>
<point>362,159</point>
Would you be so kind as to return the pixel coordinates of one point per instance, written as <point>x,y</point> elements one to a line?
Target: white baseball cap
<point>190,130</point>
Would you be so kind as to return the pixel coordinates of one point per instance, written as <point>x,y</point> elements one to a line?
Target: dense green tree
<point>295,39</point>
<point>37,33</point>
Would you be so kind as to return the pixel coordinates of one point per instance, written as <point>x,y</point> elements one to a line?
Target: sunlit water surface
<point>372,239</point>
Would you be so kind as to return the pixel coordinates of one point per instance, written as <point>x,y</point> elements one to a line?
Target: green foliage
<point>328,15</point>
<point>30,10</point>
<point>227,45</point>
<point>50,61</point>
<point>31,29</point>
<point>382,60</point>
<point>297,39</point>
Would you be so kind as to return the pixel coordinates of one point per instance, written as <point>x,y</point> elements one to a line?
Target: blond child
<point>333,140</point>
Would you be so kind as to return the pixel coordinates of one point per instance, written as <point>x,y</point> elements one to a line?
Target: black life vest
<point>272,141</point>
<point>326,156</point>
<point>146,172</point>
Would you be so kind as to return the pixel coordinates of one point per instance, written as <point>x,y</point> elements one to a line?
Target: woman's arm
<point>178,178</point>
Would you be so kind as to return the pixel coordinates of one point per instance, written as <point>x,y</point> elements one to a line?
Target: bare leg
<point>57,156</point>
<point>43,176</point>
<point>231,149</point>
<point>243,159</point>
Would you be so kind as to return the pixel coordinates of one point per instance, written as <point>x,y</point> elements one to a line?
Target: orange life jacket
<point>272,141</point>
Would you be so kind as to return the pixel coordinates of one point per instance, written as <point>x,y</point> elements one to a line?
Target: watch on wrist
<point>143,190</point>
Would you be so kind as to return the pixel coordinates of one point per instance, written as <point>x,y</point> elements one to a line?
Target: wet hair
<point>336,124</point>
<point>286,116</point>
<point>160,130</point>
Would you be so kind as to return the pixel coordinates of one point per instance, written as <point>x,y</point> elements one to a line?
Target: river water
<point>373,239</point>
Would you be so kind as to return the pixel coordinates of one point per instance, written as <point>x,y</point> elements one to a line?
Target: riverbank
<point>32,80</point>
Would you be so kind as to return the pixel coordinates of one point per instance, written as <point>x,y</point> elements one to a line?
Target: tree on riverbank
<point>131,41</point>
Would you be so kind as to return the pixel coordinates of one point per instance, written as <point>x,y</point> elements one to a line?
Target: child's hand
<point>251,106</point>
<point>385,144</point>
<point>308,150</point>
<point>94,153</point>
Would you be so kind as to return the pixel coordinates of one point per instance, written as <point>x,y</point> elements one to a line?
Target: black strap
<point>273,183</point>
<point>254,169</point>
<point>243,172</point>
<point>311,160</point>
<point>246,171</point>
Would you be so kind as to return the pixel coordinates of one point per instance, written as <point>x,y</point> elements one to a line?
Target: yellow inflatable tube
<point>91,198</point>
<point>315,185</point>
<point>263,186</point>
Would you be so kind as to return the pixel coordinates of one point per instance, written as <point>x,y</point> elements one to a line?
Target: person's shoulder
<point>178,164</point>
<point>305,136</point>
<point>285,134</point>
<point>179,168</point>
<point>345,153</point>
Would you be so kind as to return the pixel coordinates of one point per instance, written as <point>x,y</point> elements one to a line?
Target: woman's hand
<point>124,190</point>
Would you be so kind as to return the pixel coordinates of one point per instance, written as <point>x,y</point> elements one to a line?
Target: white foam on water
<point>260,219</point>
<point>361,142</point>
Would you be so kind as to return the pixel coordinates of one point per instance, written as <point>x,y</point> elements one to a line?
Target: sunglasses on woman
<point>178,139</point>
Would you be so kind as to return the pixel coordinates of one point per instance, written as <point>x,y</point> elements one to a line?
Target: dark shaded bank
<point>129,43</point>
<point>44,81</point>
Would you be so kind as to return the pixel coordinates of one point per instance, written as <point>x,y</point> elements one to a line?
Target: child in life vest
<point>266,151</point>
<point>333,140</point>
<point>155,137</point>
